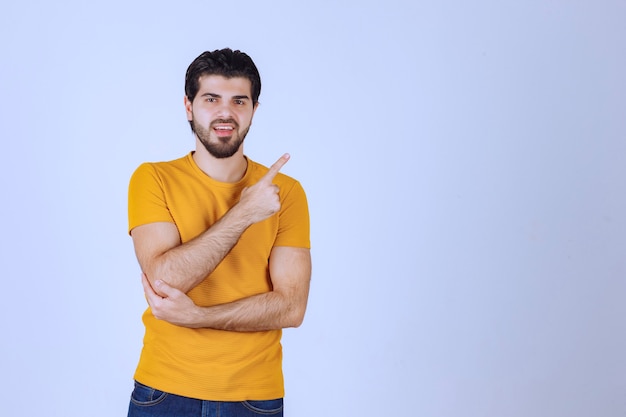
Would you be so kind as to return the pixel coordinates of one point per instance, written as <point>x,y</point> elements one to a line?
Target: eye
<point>239,102</point>
<point>211,100</point>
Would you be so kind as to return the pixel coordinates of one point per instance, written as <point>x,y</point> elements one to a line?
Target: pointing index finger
<point>269,176</point>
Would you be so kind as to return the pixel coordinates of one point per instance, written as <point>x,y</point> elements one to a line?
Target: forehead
<point>218,84</point>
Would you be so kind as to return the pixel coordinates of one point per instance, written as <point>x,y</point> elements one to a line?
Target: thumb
<point>163,288</point>
<point>157,289</point>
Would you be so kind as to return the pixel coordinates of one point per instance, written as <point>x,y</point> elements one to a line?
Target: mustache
<point>224,121</point>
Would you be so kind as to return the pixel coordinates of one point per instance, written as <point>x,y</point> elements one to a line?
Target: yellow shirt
<point>205,363</point>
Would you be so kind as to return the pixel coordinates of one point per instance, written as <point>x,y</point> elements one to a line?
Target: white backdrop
<point>464,163</point>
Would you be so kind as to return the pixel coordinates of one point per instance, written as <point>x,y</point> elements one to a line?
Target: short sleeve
<point>146,198</point>
<point>293,227</point>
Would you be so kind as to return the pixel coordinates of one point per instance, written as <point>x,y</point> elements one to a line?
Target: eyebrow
<point>240,97</point>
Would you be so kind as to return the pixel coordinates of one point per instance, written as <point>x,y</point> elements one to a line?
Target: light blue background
<point>464,163</point>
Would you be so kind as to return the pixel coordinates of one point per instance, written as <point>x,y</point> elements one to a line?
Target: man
<point>223,243</point>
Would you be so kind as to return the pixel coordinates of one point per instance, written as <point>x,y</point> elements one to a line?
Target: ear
<point>188,109</point>
<point>256,106</point>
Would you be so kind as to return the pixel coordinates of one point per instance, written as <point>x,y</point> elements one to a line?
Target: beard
<point>220,147</point>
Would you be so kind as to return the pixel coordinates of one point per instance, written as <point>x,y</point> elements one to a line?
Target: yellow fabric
<point>205,363</point>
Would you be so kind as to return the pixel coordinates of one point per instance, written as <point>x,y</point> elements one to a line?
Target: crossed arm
<point>171,269</point>
<point>284,306</point>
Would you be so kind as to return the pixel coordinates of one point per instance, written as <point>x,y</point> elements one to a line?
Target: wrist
<point>196,318</point>
<point>240,217</point>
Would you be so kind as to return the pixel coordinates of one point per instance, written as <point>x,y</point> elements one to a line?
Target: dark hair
<point>224,62</point>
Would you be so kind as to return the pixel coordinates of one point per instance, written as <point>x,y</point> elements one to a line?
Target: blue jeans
<point>149,402</point>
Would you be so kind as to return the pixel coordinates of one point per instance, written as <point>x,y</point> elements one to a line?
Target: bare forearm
<point>183,266</point>
<point>282,307</point>
<point>269,311</point>
<point>186,265</point>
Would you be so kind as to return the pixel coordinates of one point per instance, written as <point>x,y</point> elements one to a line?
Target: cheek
<point>246,119</point>
<point>199,117</point>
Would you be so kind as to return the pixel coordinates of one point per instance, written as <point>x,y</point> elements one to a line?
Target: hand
<point>261,200</point>
<point>174,306</point>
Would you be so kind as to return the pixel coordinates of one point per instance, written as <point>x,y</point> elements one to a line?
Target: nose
<point>224,110</point>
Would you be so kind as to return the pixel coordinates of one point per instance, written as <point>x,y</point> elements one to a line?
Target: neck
<point>221,169</point>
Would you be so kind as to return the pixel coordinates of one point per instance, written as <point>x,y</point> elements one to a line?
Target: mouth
<point>223,127</point>
<point>223,132</point>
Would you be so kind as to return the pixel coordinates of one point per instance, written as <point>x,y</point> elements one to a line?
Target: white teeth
<point>223,128</point>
